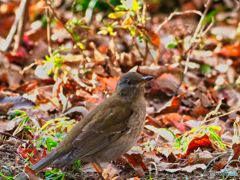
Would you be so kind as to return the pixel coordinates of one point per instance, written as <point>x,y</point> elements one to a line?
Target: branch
<point>108,2</point>
<point>174,14</point>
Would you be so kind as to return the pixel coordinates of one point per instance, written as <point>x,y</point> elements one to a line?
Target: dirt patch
<point>10,162</point>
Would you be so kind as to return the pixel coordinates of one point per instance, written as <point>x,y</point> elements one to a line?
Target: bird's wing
<point>106,125</point>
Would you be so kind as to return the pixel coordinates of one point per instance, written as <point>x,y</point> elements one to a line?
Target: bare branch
<point>175,13</point>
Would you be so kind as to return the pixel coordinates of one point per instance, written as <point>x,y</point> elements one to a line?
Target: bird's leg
<point>100,167</point>
<point>96,168</point>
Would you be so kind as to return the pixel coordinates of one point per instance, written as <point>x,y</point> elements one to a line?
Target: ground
<point>9,156</point>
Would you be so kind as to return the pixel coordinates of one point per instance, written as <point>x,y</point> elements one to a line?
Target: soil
<point>11,164</point>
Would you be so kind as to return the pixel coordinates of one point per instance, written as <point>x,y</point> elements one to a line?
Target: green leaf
<point>116,15</point>
<point>132,32</point>
<point>61,175</point>
<point>217,138</point>
<point>29,128</point>
<point>215,127</point>
<point>20,112</point>
<point>8,178</point>
<point>76,166</point>
<point>140,38</point>
<point>79,163</point>
<point>60,135</point>
<point>44,21</point>
<point>24,121</point>
<point>54,54</point>
<point>40,139</point>
<point>204,68</point>
<point>105,22</point>
<point>86,27</point>
<point>76,36</point>
<point>172,45</point>
<point>120,8</point>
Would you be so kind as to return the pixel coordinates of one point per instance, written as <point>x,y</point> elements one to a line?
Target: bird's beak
<point>145,79</point>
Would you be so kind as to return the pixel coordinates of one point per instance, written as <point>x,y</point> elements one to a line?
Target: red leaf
<point>36,154</point>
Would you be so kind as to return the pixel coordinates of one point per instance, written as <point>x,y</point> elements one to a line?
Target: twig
<point>20,11</point>
<point>7,134</point>
<point>136,45</point>
<point>146,52</point>
<point>21,26</point>
<point>50,100</point>
<point>25,69</point>
<point>15,167</point>
<point>71,35</point>
<point>193,45</point>
<point>49,32</point>
<point>184,73</point>
<point>209,2</point>
<point>208,28</point>
<point>144,13</point>
<point>174,14</point>
<point>108,2</point>
<point>73,4</point>
<point>144,16</point>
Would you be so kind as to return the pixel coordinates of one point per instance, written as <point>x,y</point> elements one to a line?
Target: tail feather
<point>43,163</point>
<point>52,158</point>
<point>36,167</point>
<point>22,176</point>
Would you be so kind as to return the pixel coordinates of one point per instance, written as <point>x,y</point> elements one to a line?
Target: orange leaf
<point>110,82</point>
<point>175,105</point>
<point>233,51</point>
<point>154,38</point>
<point>202,141</point>
<point>127,21</point>
<point>136,178</point>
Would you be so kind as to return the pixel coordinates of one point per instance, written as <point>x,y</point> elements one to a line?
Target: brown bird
<point>108,131</point>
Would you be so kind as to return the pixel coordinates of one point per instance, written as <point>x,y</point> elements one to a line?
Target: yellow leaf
<point>131,4</point>
<point>135,5</point>
<point>116,15</point>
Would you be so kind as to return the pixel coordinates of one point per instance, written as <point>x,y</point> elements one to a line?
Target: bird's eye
<point>129,82</point>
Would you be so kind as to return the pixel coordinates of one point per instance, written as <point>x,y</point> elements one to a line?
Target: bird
<point>108,131</point>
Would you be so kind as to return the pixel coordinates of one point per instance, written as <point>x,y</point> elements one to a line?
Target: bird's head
<point>130,86</point>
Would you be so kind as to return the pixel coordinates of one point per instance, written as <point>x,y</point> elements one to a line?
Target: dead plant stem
<point>193,45</point>
<point>177,13</point>
<point>49,32</point>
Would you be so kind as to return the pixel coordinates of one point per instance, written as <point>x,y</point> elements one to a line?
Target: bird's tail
<point>22,176</point>
<point>43,163</point>
<point>38,166</point>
